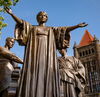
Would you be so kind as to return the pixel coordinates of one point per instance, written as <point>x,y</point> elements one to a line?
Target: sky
<point>60,13</point>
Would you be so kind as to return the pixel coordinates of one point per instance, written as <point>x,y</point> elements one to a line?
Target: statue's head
<point>10,42</point>
<point>42,17</point>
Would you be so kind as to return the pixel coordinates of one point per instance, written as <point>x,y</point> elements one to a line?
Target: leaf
<point>6,0</point>
<point>16,1</point>
<point>10,3</point>
<point>0,22</point>
<point>4,25</point>
<point>1,18</point>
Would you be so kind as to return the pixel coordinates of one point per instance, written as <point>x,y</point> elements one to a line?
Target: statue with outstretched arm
<point>8,62</point>
<point>40,69</point>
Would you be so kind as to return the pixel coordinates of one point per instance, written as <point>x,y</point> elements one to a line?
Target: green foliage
<point>3,4</point>
<point>2,24</point>
<point>8,3</point>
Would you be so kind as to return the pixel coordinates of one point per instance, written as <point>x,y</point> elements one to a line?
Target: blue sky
<point>61,13</point>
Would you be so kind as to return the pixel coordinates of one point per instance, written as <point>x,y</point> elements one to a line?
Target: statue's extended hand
<point>82,24</point>
<point>8,10</point>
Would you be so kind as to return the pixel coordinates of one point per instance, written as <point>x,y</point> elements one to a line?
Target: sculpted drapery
<point>72,76</point>
<point>40,76</point>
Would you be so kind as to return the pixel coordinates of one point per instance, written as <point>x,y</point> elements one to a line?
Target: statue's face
<point>10,43</point>
<point>42,17</point>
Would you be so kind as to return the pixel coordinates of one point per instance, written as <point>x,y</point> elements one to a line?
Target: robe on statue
<point>40,76</point>
<point>72,76</point>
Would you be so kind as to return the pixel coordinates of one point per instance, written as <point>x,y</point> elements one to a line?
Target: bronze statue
<point>7,60</point>
<point>40,71</point>
<point>72,75</point>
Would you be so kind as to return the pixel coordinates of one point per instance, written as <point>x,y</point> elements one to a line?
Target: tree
<point>3,4</point>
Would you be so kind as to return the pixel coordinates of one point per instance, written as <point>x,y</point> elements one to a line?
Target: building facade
<point>88,51</point>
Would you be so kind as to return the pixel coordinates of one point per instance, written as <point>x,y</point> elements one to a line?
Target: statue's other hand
<point>82,24</point>
<point>8,10</point>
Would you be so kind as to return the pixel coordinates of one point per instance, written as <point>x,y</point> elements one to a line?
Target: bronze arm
<point>76,26</point>
<point>7,54</point>
<point>17,20</point>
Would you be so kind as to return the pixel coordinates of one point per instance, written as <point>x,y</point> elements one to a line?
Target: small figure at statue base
<point>72,75</point>
<point>7,65</point>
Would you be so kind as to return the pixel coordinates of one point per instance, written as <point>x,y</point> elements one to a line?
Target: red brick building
<point>88,51</point>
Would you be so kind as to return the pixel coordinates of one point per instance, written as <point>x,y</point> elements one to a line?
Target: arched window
<point>89,51</point>
<point>92,50</point>
<point>86,52</point>
<point>80,54</point>
<point>83,53</point>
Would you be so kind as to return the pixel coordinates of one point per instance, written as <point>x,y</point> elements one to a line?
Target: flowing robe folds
<point>40,76</point>
<point>72,76</point>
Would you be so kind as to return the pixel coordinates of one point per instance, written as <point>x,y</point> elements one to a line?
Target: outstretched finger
<point>86,24</point>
